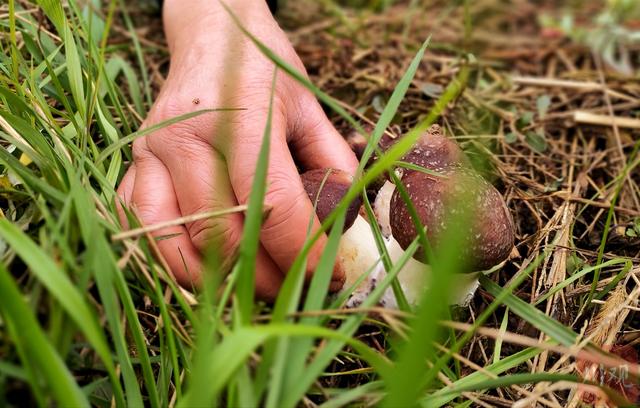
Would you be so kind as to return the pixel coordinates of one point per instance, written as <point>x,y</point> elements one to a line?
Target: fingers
<point>317,144</point>
<point>285,230</point>
<point>154,201</point>
<point>201,184</point>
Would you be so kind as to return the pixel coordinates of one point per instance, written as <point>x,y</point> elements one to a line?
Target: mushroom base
<point>359,256</point>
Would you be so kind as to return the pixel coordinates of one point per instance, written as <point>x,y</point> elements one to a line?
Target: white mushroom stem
<point>358,254</point>
<point>381,207</point>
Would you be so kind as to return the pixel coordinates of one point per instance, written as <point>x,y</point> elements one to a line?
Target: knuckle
<point>139,149</point>
<point>222,232</point>
<point>189,149</point>
<point>254,110</point>
<point>148,211</point>
<point>285,206</point>
<point>168,108</point>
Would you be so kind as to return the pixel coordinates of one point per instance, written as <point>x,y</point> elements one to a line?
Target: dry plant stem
<point>601,109</point>
<point>566,196</point>
<point>605,120</point>
<point>557,272</point>
<point>562,350</point>
<point>616,130</point>
<point>165,274</point>
<point>469,395</point>
<point>11,131</point>
<point>562,83</point>
<point>605,327</point>
<point>547,389</point>
<point>178,221</point>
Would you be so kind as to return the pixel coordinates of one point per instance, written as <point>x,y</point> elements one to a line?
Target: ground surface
<point>540,84</point>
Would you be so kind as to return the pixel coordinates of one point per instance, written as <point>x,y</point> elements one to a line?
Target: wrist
<point>189,21</point>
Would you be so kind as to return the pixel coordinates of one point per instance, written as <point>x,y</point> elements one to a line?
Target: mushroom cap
<point>489,236</point>
<point>329,194</point>
<point>434,151</point>
<point>358,143</point>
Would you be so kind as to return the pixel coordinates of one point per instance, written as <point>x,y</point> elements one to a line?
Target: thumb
<point>317,144</point>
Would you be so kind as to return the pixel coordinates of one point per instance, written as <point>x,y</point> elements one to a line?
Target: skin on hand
<point>207,163</point>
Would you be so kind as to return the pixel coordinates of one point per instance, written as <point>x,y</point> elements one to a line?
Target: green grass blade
<point>349,396</point>
<point>507,380</point>
<point>577,275</point>
<point>109,150</point>
<point>348,327</point>
<point>414,352</point>
<point>74,71</point>
<point>401,299</point>
<point>516,281</point>
<point>55,13</point>
<point>245,285</point>
<point>101,263</point>
<point>393,104</point>
<point>441,397</point>
<point>59,285</point>
<point>239,344</point>
<point>537,318</point>
<point>28,335</point>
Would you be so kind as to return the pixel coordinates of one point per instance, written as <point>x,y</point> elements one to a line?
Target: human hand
<point>207,163</point>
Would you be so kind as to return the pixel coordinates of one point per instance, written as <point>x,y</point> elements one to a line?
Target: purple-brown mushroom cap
<point>488,237</point>
<point>434,151</point>
<point>329,194</point>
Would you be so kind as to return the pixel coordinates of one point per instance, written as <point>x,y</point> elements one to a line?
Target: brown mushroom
<point>358,252</point>
<point>488,237</point>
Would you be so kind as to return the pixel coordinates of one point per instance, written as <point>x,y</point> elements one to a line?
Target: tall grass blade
<point>28,336</point>
<point>245,285</point>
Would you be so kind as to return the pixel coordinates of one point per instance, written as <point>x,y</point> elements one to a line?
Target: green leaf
<point>542,104</point>
<point>441,397</point>
<point>148,130</point>
<point>237,346</point>
<point>74,71</point>
<point>537,141</point>
<point>392,105</point>
<point>507,380</point>
<point>345,397</point>
<point>55,13</point>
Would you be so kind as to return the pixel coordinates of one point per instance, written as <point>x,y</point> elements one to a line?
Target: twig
<point>563,83</point>
<point>586,355</point>
<point>178,221</point>
<point>605,120</point>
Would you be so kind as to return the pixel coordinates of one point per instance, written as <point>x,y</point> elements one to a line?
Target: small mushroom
<point>325,188</point>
